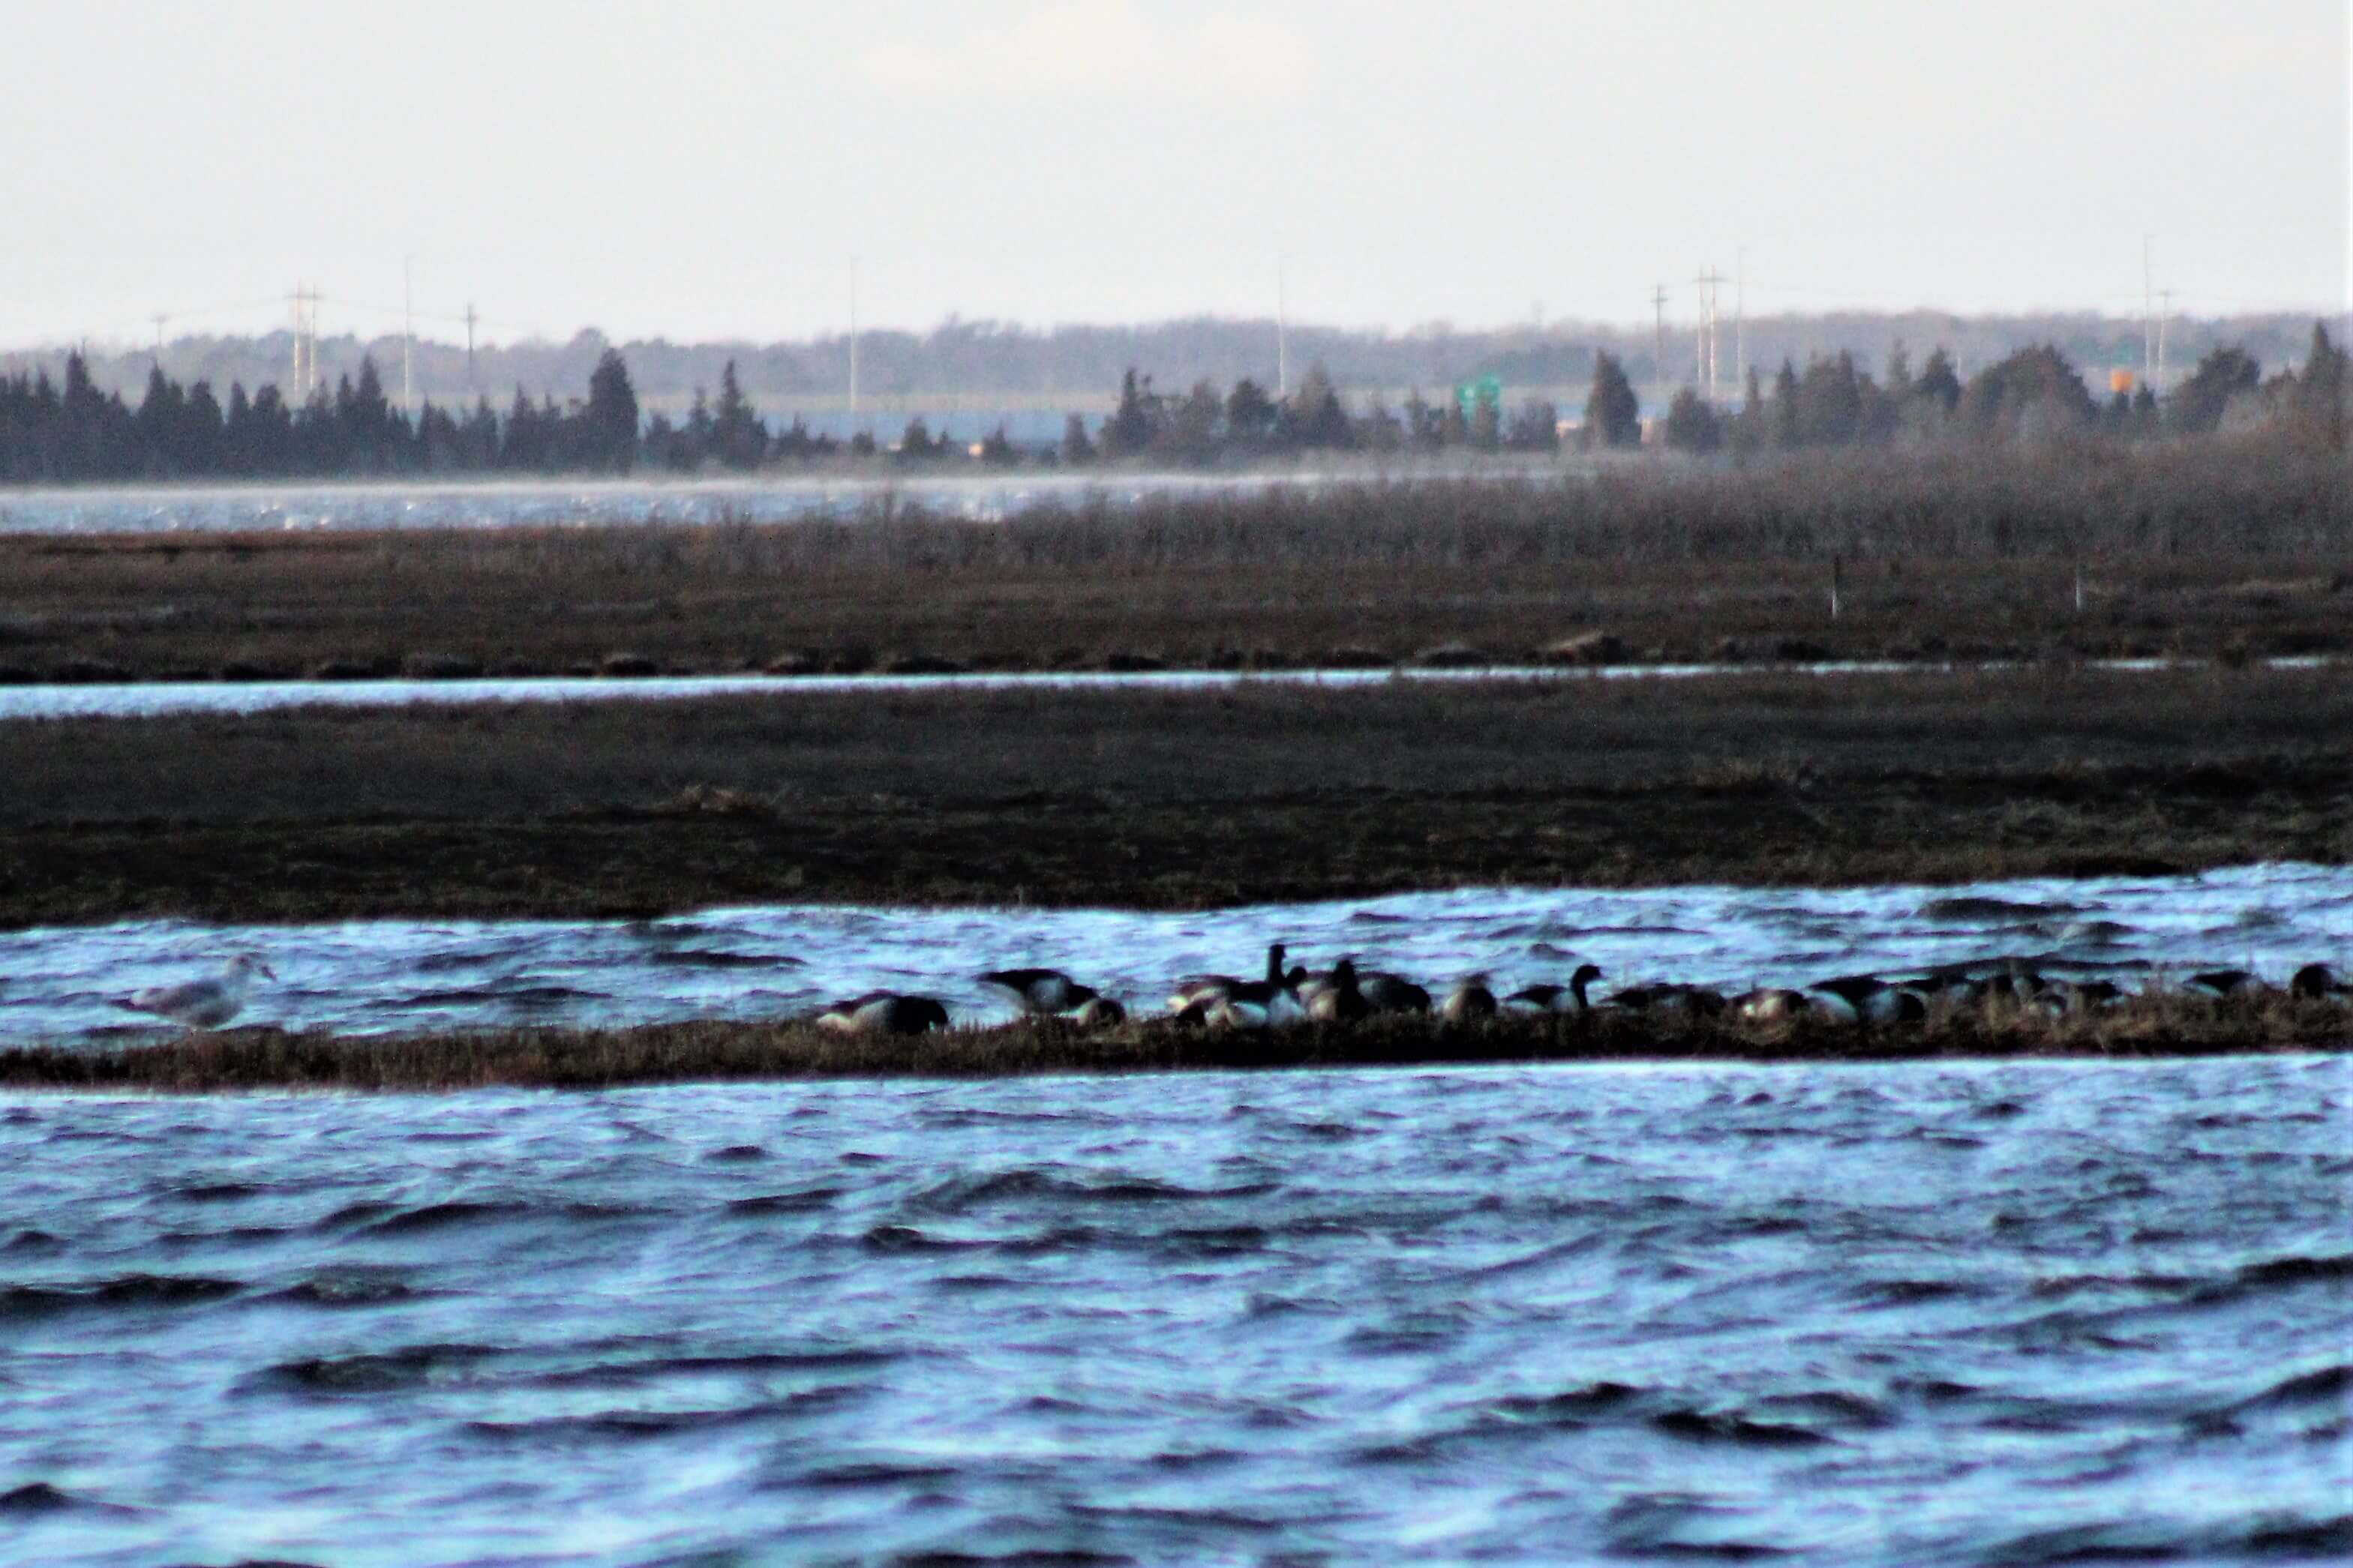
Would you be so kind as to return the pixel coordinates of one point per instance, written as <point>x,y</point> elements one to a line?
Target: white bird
<point>202,1003</point>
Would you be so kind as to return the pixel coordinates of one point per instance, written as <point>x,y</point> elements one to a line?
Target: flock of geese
<point>1284,996</point>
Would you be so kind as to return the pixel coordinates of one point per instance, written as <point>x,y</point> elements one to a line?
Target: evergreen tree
<point>1077,450</point>
<point>1128,432</point>
<point>1937,384</point>
<point>1692,424</point>
<point>736,431</point>
<point>1613,414</point>
<point>2322,393</point>
<point>611,417</point>
<point>1788,429</point>
<point>1250,414</point>
<point>2197,404</point>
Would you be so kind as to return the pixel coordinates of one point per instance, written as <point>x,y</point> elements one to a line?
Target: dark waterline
<point>1902,1314</point>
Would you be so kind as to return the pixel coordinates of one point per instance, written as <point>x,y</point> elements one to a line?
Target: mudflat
<point>1172,798</point>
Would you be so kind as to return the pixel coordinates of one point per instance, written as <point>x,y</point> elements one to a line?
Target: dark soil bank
<point>1170,799</point>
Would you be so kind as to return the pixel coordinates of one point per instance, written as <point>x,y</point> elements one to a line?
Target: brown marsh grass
<point>2196,548</point>
<point>2150,1024</point>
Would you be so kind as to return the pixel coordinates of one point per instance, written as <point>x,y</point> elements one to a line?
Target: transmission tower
<point>306,343</point>
<point>1707,343</point>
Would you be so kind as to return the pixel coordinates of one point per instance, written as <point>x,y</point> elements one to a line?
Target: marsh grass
<point>2192,549</point>
<point>2145,1026</point>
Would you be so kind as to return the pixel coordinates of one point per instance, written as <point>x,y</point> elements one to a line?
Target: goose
<point>1568,998</point>
<point>2222,983</point>
<point>1670,998</point>
<point>1467,1000</point>
<point>1338,1000</point>
<point>1392,992</point>
<point>1196,995</point>
<point>1101,1013</point>
<point>884,1013</point>
<point>1770,1004</point>
<point>1041,992</point>
<point>2316,982</point>
<point>202,1003</point>
<point>1867,999</point>
<point>1269,1004</point>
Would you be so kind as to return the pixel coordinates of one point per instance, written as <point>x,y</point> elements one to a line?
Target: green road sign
<point>1487,389</point>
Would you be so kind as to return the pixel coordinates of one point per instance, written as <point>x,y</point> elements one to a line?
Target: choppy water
<point>1912,1314</point>
<point>472,503</point>
<point>59,983</point>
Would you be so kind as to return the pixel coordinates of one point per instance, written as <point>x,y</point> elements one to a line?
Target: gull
<point>202,1003</point>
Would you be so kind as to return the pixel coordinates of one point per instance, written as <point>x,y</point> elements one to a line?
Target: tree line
<point>52,433</point>
<point>2033,393</point>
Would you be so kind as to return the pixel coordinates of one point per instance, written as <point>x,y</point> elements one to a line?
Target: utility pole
<point>1739,320</point>
<point>2148,322</point>
<point>306,343</point>
<point>159,319</point>
<point>1281,327</point>
<point>853,345</point>
<point>2164,317</point>
<point>408,335</point>
<point>1659,334</point>
<point>470,381</point>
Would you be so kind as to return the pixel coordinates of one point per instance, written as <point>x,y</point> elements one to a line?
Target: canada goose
<point>2317,983</point>
<point>1198,994</point>
<point>202,1003</point>
<point>1568,998</point>
<point>1867,999</point>
<point>1100,1013</point>
<point>1337,1000</point>
<point>1392,992</point>
<point>1269,1004</point>
<point>1669,998</point>
<point>1040,991</point>
<point>2221,983</point>
<point>1467,1000</point>
<point>884,1013</point>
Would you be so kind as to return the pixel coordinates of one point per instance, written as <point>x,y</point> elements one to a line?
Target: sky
<point>697,170</point>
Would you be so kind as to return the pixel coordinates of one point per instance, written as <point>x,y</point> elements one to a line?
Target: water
<point>1905,1314</point>
<point>471,503</point>
<point>152,698</point>
<point>144,700</point>
<point>60,984</point>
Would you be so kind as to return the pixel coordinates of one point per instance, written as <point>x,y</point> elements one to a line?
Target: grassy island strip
<point>2140,1026</point>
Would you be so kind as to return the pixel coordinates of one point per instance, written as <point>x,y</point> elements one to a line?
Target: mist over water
<point>1904,1313</point>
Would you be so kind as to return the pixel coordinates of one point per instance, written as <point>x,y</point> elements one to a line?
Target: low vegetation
<point>2207,549</point>
<point>2145,1026</point>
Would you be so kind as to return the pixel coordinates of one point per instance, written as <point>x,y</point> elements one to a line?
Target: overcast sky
<point>697,170</point>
